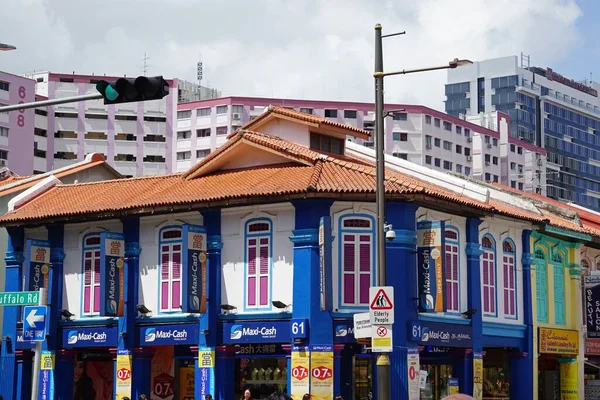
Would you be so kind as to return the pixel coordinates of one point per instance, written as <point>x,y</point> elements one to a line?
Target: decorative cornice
<point>57,255</point>
<point>527,258</point>
<point>132,250</point>
<point>305,236</point>
<point>473,249</point>
<point>14,258</point>
<point>404,238</point>
<point>214,243</point>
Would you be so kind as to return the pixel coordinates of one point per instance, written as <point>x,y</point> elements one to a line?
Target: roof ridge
<point>135,178</point>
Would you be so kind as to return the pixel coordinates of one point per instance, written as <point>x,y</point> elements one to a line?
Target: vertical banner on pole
<point>46,391</point>
<point>194,269</point>
<point>478,376</point>
<point>300,379</point>
<point>321,368</point>
<point>430,267</point>
<point>568,379</point>
<point>112,274</point>
<point>37,266</point>
<point>206,364</point>
<point>123,374</point>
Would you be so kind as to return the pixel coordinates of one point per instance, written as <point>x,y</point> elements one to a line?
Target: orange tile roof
<point>307,174</point>
<point>304,117</point>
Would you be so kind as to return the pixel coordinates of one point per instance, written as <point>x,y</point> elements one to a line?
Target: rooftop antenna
<point>199,76</point>
<point>145,66</point>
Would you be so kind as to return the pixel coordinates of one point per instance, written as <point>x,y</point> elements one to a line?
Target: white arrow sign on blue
<point>34,323</point>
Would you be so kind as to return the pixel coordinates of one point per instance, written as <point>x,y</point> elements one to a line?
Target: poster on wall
<point>430,267</point>
<point>592,305</point>
<point>478,376</point>
<point>112,274</point>
<point>413,373</point>
<point>300,379</point>
<point>568,380</point>
<point>325,277</point>
<point>194,269</point>
<point>186,380</point>
<point>123,374</point>
<point>37,266</point>
<point>321,376</point>
<point>162,377</point>
<point>93,376</point>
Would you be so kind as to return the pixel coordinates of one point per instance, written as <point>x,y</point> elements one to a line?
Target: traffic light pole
<point>53,102</point>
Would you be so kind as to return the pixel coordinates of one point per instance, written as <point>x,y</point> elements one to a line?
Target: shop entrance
<point>93,375</point>
<point>363,377</point>
<point>436,387</point>
<point>262,369</point>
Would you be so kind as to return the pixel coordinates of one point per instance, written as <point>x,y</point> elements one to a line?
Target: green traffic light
<point>107,90</point>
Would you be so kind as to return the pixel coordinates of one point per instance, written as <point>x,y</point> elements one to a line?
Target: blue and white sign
<point>299,328</point>
<point>325,268</point>
<point>256,332</point>
<point>172,334</point>
<point>37,264</point>
<point>89,337</point>
<point>112,274</point>
<point>344,332</point>
<point>438,334</point>
<point>194,269</point>
<point>34,323</point>
<point>22,344</point>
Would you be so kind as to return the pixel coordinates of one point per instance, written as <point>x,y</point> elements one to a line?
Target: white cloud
<point>285,48</point>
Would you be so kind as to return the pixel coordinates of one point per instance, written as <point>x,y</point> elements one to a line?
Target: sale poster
<point>186,382</point>
<point>123,374</point>
<point>321,367</point>
<point>163,373</point>
<point>206,371</point>
<point>300,379</point>
<point>413,373</point>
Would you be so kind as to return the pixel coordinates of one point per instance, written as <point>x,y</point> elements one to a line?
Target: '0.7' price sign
<point>299,373</point>
<point>321,372</point>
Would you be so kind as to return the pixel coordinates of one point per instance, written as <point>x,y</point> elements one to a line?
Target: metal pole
<point>37,360</point>
<point>383,361</point>
<point>52,102</point>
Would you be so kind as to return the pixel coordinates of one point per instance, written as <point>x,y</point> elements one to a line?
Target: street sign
<point>381,338</point>
<point>382,305</point>
<point>34,323</point>
<point>362,325</point>
<point>19,298</point>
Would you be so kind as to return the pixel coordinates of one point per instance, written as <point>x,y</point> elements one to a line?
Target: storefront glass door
<point>363,378</point>
<point>437,381</point>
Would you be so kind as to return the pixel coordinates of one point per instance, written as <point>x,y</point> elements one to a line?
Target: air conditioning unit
<point>487,163</point>
<point>428,146</point>
<point>520,175</point>
<point>469,139</point>
<point>489,146</point>
<point>236,116</point>
<point>469,158</point>
<point>540,161</point>
<point>2,163</point>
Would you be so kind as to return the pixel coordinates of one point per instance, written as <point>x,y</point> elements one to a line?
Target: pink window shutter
<point>251,275</point>
<point>264,272</point>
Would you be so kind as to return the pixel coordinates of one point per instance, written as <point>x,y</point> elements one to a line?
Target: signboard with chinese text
<point>206,365</point>
<point>430,266</point>
<point>112,274</point>
<point>194,269</point>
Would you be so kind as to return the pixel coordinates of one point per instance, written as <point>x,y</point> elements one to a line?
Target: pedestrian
<point>247,395</point>
<point>458,396</point>
<point>306,397</point>
<point>208,397</point>
<point>278,395</point>
<point>338,398</point>
<point>143,397</point>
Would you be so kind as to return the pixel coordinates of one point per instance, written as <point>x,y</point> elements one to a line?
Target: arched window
<point>509,275</point>
<point>452,270</point>
<point>258,263</point>
<point>541,285</point>
<point>356,259</point>
<point>489,275</point>
<point>91,274</point>
<point>585,264</point>
<point>170,245</point>
<point>559,288</point>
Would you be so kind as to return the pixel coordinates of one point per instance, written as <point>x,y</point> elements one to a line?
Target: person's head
<point>143,397</point>
<point>458,397</point>
<point>338,398</point>
<point>247,394</point>
<point>278,396</point>
<point>208,397</point>
<point>306,397</point>
<point>125,398</point>
<point>79,370</point>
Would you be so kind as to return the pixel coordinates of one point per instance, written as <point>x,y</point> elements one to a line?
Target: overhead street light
<point>383,361</point>
<point>7,47</point>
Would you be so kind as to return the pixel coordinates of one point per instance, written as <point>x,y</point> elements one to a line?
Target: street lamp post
<point>7,47</point>
<point>383,361</point>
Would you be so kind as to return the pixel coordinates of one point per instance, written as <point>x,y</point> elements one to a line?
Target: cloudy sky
<point>312,49</point>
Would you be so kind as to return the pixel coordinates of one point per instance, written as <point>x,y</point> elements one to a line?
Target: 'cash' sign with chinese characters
<point>37,265</point>
<point>430,267</point>
<point>112,274</point>
<point>592,306</point>
<point>194,269</point>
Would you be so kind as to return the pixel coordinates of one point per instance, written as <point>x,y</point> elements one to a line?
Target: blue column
<point>521,368</point>
<point>64,372</point>
<point>126,323</point>
<point>460,370</point>
<point>13,283</point>
<point>209,332</point>
<point>306,294</point>
<point>56,283</point>
<point>473,252</point>
<point>24,369</point>
<point>224,371</point>
<point>402,275</point>
<point>142,371</point>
